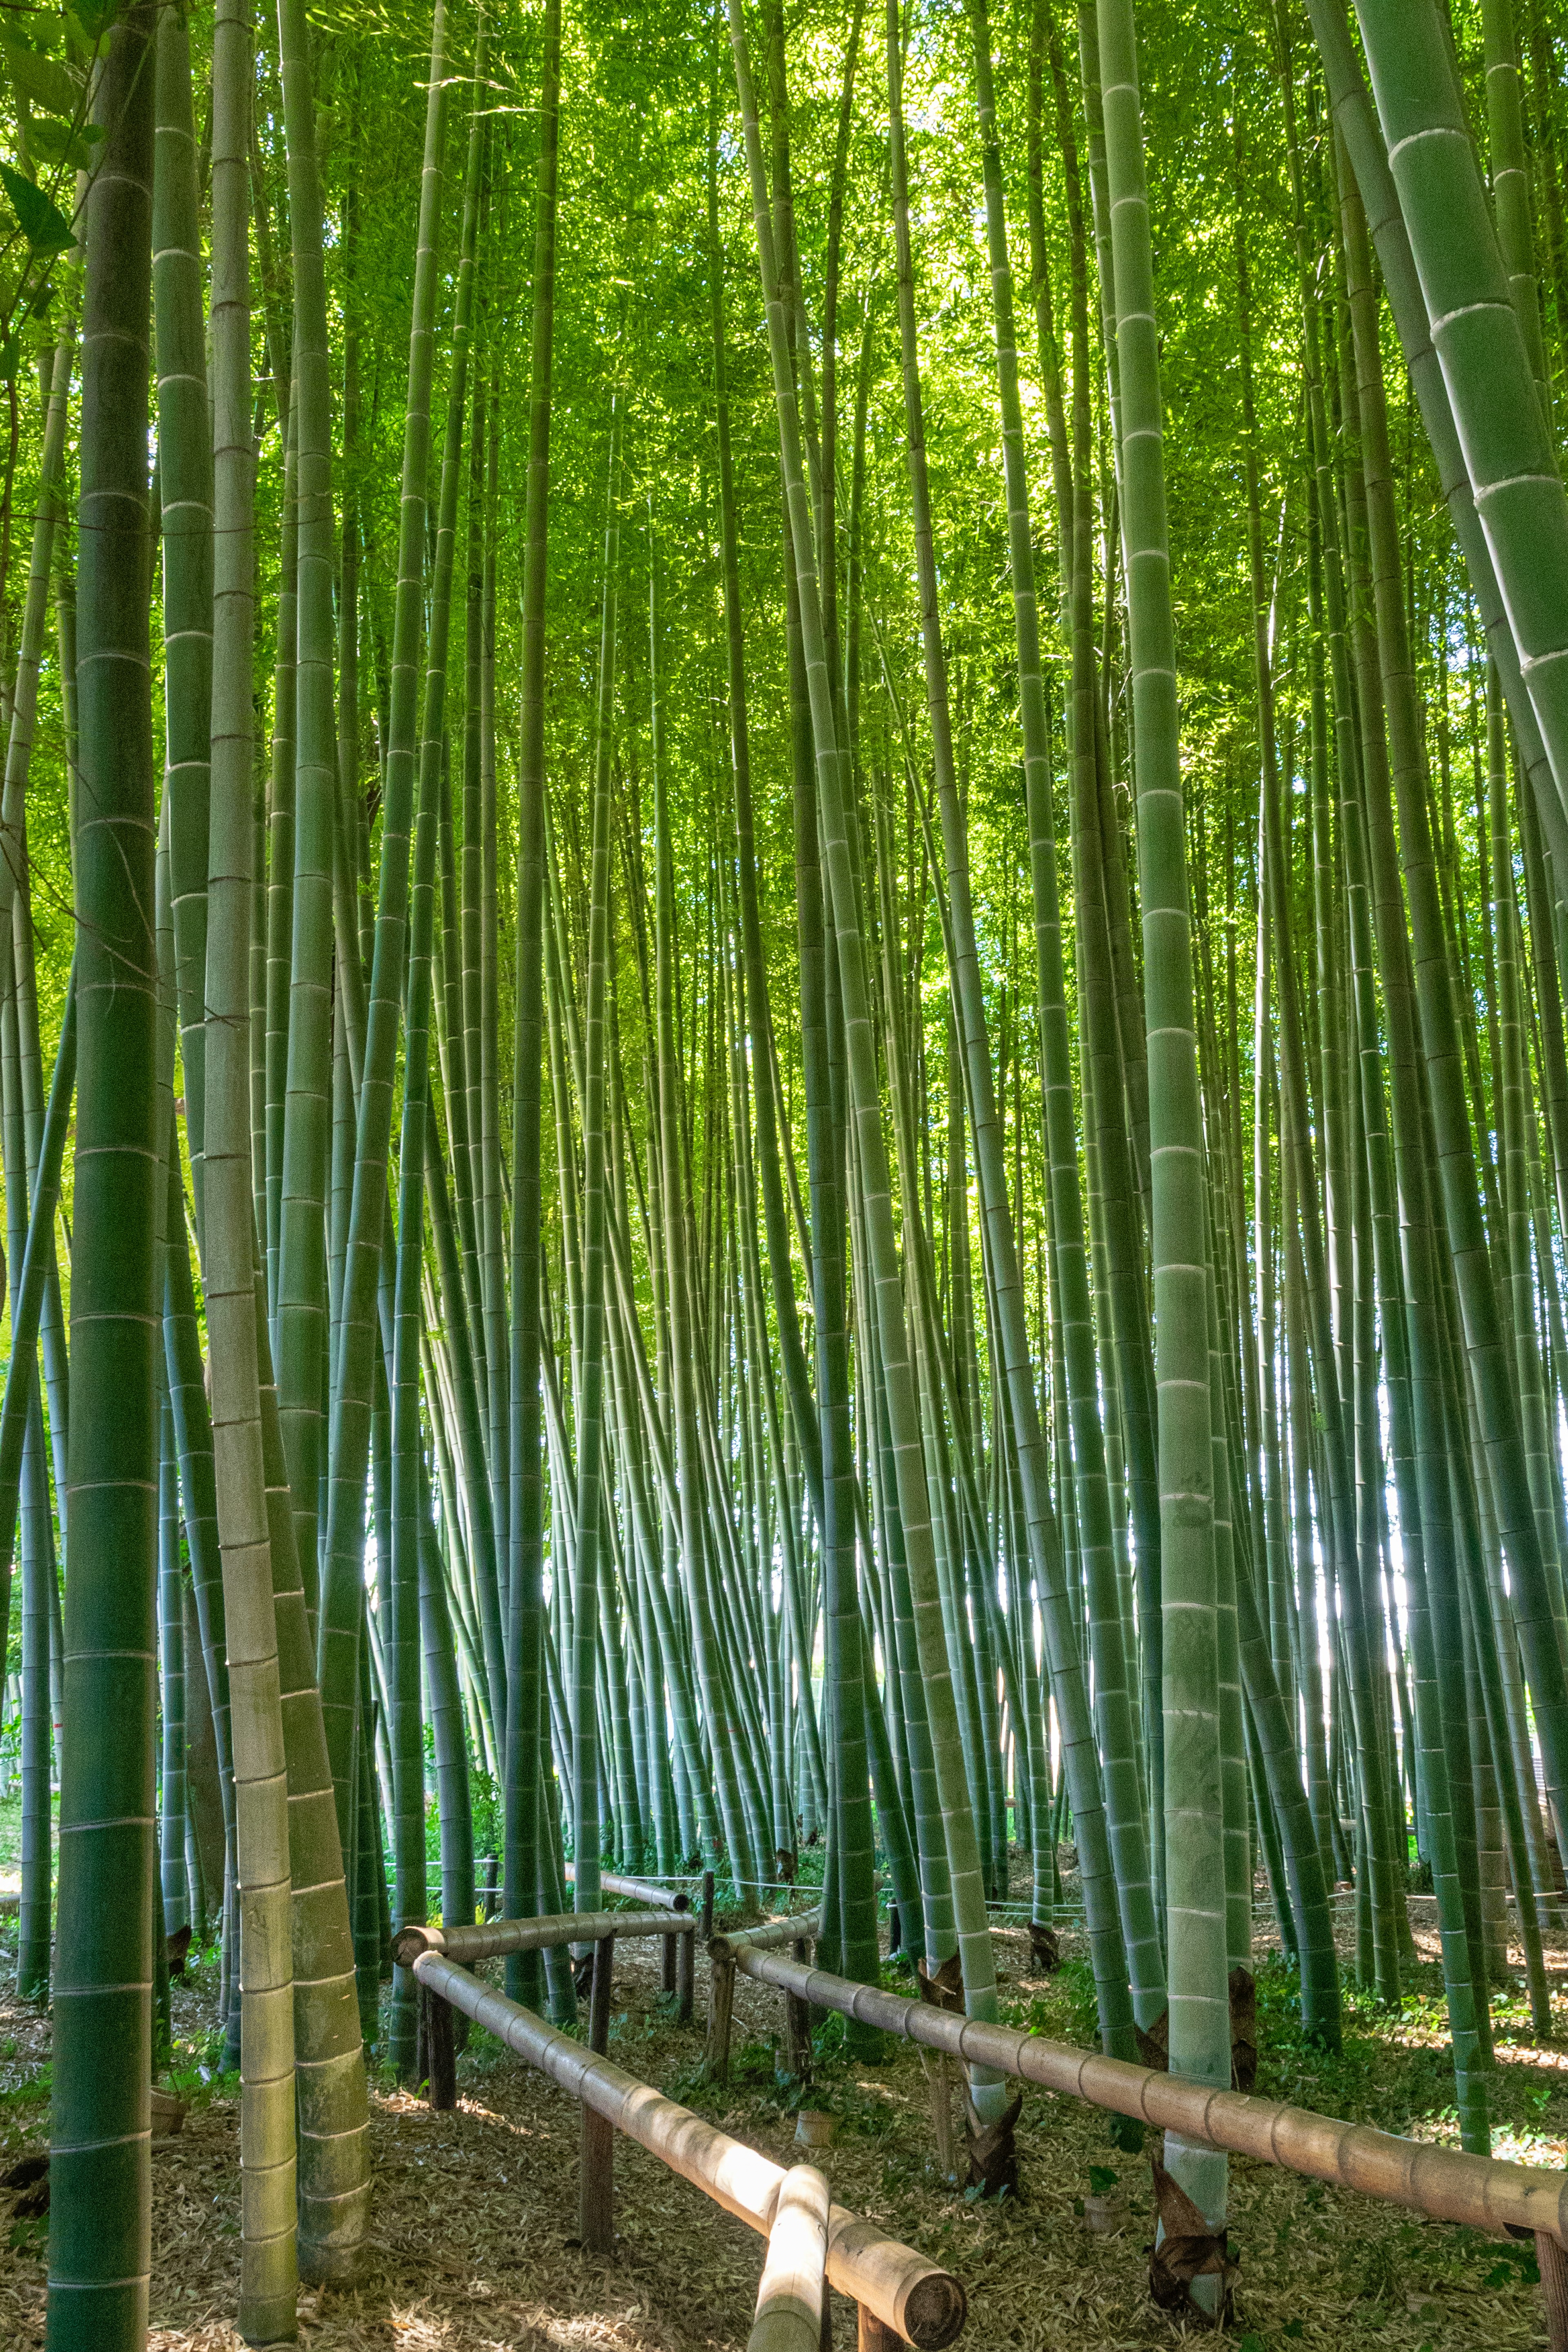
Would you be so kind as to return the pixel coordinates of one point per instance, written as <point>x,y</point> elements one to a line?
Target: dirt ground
<point>475,2213</point>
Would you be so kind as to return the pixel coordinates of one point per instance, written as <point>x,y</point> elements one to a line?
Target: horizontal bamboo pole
<point>1440,2181</point>
<point>467,1944</point>
<point>925,2305</point>
<point>805,1928</point>
<point>794,2276</point>
<point>638,1890</point>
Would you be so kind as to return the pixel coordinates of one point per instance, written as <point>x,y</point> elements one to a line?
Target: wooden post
<point>669,1943</point>
<point>1553,2263</point>
<point>720,2002</point>
<point>422,2006</point>
<point>797,2027</point>
<point>440,2053</point>
<point>685,1977</point>
<point>874,2336</point>
<point>596,2188</point>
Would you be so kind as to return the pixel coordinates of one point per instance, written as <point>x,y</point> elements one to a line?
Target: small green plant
<point>1102,2180</point>
<point>1513,2265</point>
<point>1076,1978</point>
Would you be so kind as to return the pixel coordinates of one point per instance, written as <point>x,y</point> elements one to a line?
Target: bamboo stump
<point>1553,2263</point>
<point>596,2188</point>
<point>440,2053</point>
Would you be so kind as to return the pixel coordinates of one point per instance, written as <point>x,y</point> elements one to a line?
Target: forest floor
<point>475,2213</point>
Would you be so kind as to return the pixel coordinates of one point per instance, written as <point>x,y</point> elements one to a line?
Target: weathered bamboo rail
<point>492,1937</point>
<point>637,1890</point>
<point>1519,2199</point>
<point>897,2288</point>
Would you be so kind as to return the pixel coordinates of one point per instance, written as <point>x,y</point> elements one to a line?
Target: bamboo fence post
<point>667,1956</point>
<point>872,2334</point>
<point>797,2023</point>
<point>685,1976</point>
<point>793,2299</point>
<point>720,2005</point>
<point>598,2184</point>
<point>440,2053</point>
<point>1553,2263</point>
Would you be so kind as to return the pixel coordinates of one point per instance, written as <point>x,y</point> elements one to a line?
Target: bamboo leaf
<point>41,81</point>
<point>96,16</point>
<point>41,220</point>
<point>58,142</point>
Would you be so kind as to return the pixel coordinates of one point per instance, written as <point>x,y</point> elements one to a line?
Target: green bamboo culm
<point>1195,1822</point>
<point>326,2056</point>
<point>864,1095</point>
<point>342,1585</point>
<point>525,1601</point>
<point>268,2264</point>
<point>186,490</point>
<point>300,1307</point>
<point>1480,342</point>
<point>592,1506</point>
<point>101,2167</point>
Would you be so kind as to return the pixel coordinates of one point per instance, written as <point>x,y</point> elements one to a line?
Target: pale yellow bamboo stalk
<point>794,2276</point>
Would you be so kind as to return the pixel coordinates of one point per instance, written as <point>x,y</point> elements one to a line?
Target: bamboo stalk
<point>792,2300</point>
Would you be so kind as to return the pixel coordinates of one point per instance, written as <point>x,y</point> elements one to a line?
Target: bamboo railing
<point>492,1937</point>
<point>637,1890</point>
<point>1517,2200</point>
<point>898,2289</point>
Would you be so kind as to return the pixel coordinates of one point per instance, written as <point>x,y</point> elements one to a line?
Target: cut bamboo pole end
<point>793,2296</point>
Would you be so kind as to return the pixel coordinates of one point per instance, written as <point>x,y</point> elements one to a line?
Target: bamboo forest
<point>784,1119</point>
